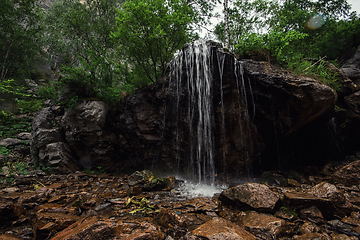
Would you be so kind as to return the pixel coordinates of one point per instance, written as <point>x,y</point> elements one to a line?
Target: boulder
<point>251,195</point>
<point>7,142</point>
<point>219,229</point>
<point>312,214</point>
<point>348,175</point>
<point>264,226</point>
<point>103,228</point>
<point>47,145</point>
<point>147,181</point>
<point>89,136</point>
<point>352,67</point>
<point>329,191</point>
<point>252,106</point>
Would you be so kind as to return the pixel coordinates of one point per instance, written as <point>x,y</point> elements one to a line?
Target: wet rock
<point>219,229</point>
<point>199,205</point>
<point>9,237</point>
<point>101,228</point>
<point>300,200</point>
<point>253,195</point>
<point>353,219</point>
<point>47,224</point>
<point>348,175</point>
<point>335,236</point>
<point>147,181</point>
<point>312,214</point>
<point>264,226</point>
<point>10,212</point>
<point>169,219</point>
<point>314,236</point>
<point>329,191</point>
<point>309,227</point>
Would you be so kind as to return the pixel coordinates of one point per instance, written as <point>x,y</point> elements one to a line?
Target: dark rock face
<point>78,138</point>
<point>194,122</point>
<point>252,105</point>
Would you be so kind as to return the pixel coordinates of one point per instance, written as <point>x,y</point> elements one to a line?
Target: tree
<point>79,34</point>
<point>20,32</point>
<point>243,19</point>
<point>148,32</point>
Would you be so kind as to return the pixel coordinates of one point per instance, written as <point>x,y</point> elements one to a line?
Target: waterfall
<point>190,69</point>
<point>198,112</point>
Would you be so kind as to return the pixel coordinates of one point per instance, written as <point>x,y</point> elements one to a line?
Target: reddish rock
<point>268,226</point>
<point>353,219</point>
<point>103,228</point>
<point>253,195</point>
<point>169,219</point>
<point>309,227</point>
<point>315,236</point>
<point>312,214</point>
<point>10,212</point>
<point>329,191</point>
<point>219,229</point>
<point>47,224</point>
<point>9,237</point>
<point>303,200</point>
<point>348,175</point>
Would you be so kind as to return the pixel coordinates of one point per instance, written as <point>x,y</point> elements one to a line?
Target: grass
<point>319,71</point>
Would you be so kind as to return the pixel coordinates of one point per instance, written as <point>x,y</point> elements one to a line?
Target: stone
<point>264,225</point>
<point>94,227</point>
<point>147,181</point>
<point>169,219</point>
<point>329,191</point>
<point>7,142</point>
<point>10,189</point>
<point>314,236</point>
<point>58,157</point>
<point>9,237</point>
<point>219,229</point>
<point>309,227</point>
<point>24,136</point>
<point>44,224</point>
<point>312,214</point>
<point>353,219</point>
<point>254,195</point>
<point>348,174</point>
<point>89,135</point>
<point>10,212</point>
<point>304,200</point>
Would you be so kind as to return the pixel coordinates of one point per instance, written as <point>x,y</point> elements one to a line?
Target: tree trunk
<point>226,20</point>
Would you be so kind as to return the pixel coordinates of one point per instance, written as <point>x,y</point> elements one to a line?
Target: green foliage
<point>10,126</point>
<point>148,32</point>
<point>98,170</point>
<point>80,34</point>
<point>142,206</point>
<point>4,150</point>
<point>318,70</point>
<point>19,37</point>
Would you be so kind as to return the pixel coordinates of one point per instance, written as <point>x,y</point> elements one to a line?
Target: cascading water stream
<point>196,73</point>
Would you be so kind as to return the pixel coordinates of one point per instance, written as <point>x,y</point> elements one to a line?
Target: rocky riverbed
<point>109,206</point>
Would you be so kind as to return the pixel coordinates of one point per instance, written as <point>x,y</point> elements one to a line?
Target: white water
<point>196,60</point>
<point>193,190</point>
<point>191,82</point>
